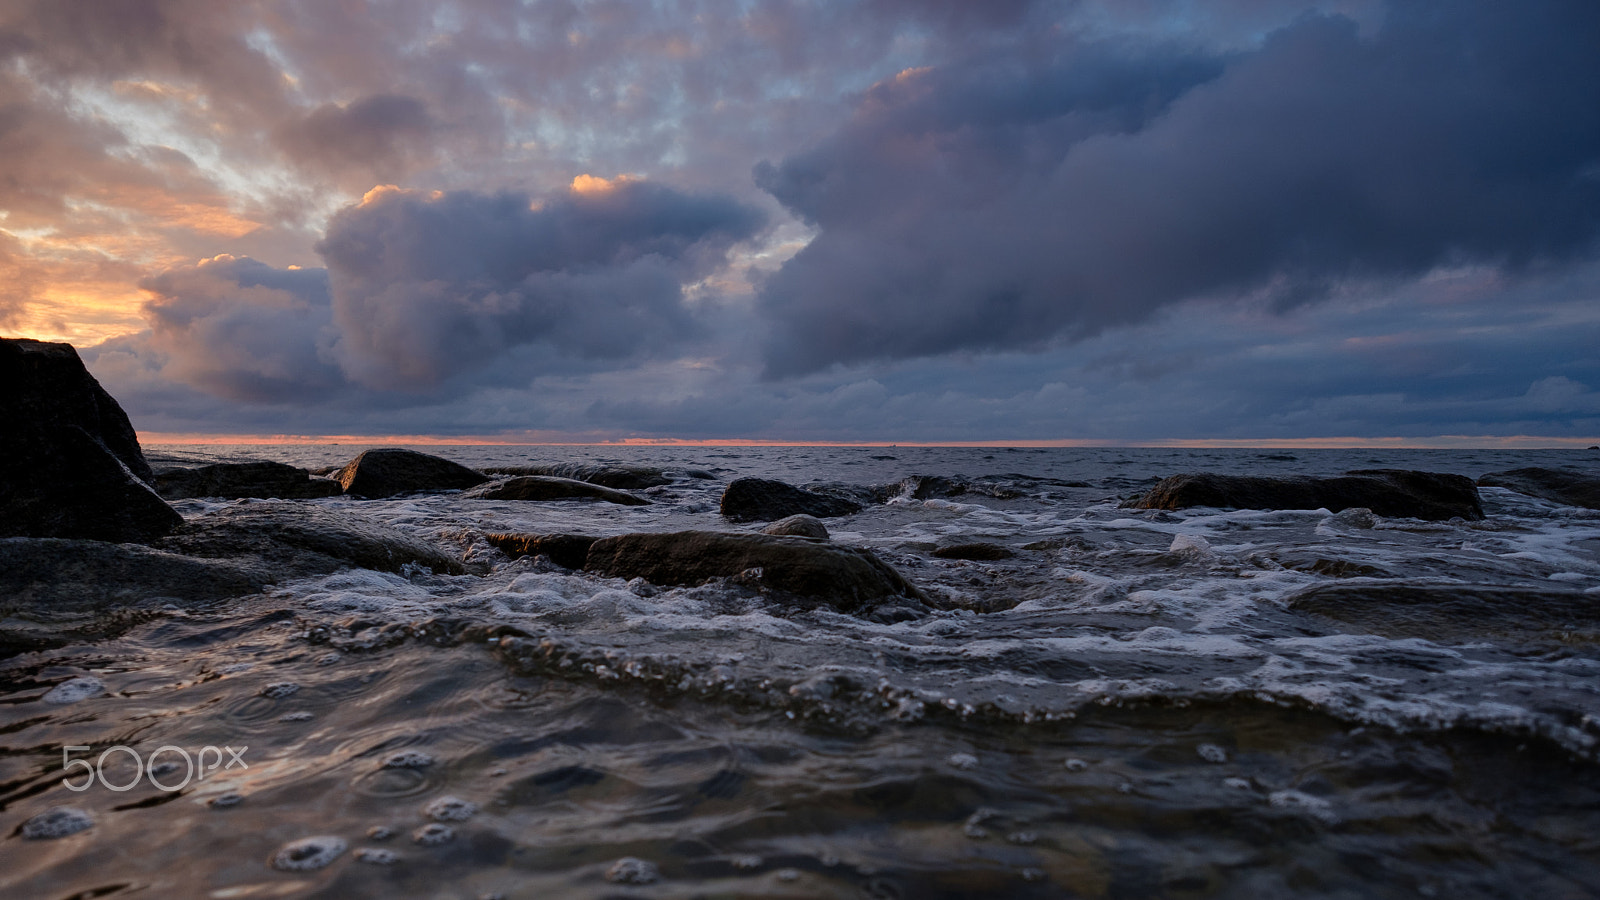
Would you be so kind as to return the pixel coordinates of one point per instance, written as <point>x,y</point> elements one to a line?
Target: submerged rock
<point>297,540</point>
<point>236,481</point>
<point>545,487</point>
<point>847,579</point>
<point>798,525</point>
<point>762,499</point>
<point>1454,612</point>
<point>1386,492</point>
<point>386,472</point>
<point>70,464</point>
<point>624,478</point>
<point>979,550</point>
<point>1567,487</point>
<point>565,550</point>
<point>928,487</point>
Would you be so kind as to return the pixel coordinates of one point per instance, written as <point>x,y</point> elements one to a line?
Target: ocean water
<point>1139,704</point>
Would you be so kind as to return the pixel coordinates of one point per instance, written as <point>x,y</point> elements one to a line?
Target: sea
<point>1139,703</point>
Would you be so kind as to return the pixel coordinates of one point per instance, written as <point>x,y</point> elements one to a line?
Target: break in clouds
<point>808,220</point>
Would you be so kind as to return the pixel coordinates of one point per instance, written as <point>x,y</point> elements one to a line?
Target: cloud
<point>422,287</point>
<point>994,203</point>
<point>240,329</point>
<point>428,285</point>
<point>383,136</point>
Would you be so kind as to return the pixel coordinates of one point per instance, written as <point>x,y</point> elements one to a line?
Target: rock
<point>70,464</point>
<point>1567,487</point>
<point>544,487</point>
<point>928,487</point>
<point>847,579</point>
<point>296,540</point>
<point>624,478</point>
<point>1449,611</point>
<point>764,500</point>
<point>798,525</point>
<point>1386,492</point>
<point>565,550</point>
<point>979,550</point>
<point>384,473</point>
<point>234,481</point>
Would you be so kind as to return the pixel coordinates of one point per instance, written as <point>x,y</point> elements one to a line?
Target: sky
<point>1101,221</point>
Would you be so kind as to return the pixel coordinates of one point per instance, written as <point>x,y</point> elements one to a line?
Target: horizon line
<point>1435,442</point>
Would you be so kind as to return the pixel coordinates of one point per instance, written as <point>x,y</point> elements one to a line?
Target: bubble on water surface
<point>377,856</point>
<point>450,809</point>
<point>1211,753</point>
<point>632,870</point>
<point>433,834</point>
<point>408,759</point>
<point>279,689</point>
<point>966,762</point>
<point>308,854</point>
<point>55,822</point>
<point>73,690</point>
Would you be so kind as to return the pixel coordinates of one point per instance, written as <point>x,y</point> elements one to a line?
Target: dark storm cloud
<point>421,287</point>
<point>382,136</point>
<point>426,286</point>
<point>243,330</point>
<point>997,204</point>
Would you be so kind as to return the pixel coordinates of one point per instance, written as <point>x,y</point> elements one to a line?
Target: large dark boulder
<point>764,500</point>
<point>1564,486</point>
<point>542,487</point>
<point>384,473</point>
<point>1388,492</point>
<point>802,568</point>
<point>623,478</point>
<point>929,487</point>
<point>235,481</point>
<point>70,464</point>
<point>565,550</point>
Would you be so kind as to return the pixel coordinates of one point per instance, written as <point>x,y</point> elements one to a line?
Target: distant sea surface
<point>1138,704</point>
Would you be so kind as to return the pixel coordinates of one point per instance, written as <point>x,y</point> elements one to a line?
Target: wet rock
<point>1567,487</point>
<point>847,579</point>
<point>764,500</point>
<point>384,473</point>
<point>980,550</point>
<point>928,487</point>
<point>1448,611</point>
<point>622,478</point>
<point>43,575</point>
<point>544,487</point>
<point>234,481</point>
<point>1386,492</point>
<point>296,540</point>
<point>799,525</point>
<point>565,550</point>
<point>70,464</point>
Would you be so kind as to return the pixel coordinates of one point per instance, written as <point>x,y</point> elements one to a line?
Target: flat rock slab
<point>565,550</point>
<point>844,578</point>
<point>376,474</point>
<point>237,481</point>
<point>1454,612</point>
<point>545,487</point>
<point>765,500</point>
<point>623,478</point>
<point>299,540</point>
<point>1567,487</point>
<point>1396,493</point>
